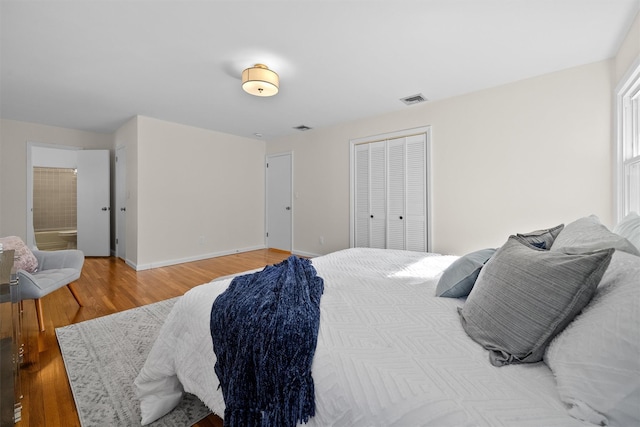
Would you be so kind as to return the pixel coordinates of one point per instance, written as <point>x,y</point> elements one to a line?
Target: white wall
<point>183,183</point>
<point>200,193</point>
<point>53,158</point>
<point>14,136</point>
<point>629,51</point>
<point>514,158</point>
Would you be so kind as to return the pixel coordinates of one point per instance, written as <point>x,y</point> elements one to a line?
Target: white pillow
<point>596,359</point>
<point>629,227</point>
<point>589,234</point>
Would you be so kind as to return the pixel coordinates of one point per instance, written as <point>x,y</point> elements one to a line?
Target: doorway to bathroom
<point>68,196</point>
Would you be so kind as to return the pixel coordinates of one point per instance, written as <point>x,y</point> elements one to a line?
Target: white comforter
<point>389,353</point>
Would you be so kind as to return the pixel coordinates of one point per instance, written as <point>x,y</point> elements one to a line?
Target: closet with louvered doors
<point>390,193</point>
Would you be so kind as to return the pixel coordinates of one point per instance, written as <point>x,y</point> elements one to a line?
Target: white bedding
<point>389,353</point>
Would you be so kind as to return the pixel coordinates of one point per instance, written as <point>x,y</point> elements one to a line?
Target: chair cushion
<point>48,281</point>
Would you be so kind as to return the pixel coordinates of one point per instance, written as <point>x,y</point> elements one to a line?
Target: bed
<point>392,353</point>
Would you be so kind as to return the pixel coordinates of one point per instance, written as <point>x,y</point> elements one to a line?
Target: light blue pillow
<point>458,279</point>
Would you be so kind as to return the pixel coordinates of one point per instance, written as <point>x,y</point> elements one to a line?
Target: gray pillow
<point>524,296</point>
<point>588,234</point>
<point>543,239</point>
<point>458,279</point>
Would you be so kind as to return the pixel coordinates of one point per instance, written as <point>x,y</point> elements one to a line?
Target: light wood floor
<point>107,286</point>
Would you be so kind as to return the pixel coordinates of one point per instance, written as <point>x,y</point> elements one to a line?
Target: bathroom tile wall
<point>54,199</point>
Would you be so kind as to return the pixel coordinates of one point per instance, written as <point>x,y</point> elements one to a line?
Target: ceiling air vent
<point>414,99</point>
<point>302,127</point>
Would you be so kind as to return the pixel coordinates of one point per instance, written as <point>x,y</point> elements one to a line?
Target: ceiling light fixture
<point>259,80</point>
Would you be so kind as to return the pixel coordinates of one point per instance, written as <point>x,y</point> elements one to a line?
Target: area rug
<point>103,356</point>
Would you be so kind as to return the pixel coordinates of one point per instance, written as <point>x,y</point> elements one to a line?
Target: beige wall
<point>183,183</point>
<point>200,193</point>
<point>514,158</point>
<point>14,136</point>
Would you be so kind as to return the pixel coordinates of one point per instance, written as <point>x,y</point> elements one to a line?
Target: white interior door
<point>279,201</point>
<point>121,202</point>
<point>93,202</point>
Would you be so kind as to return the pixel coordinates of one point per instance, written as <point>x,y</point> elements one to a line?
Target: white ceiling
<point>92,65</point>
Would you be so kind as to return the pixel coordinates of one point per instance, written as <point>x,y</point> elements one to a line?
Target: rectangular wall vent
<point>414,99</point>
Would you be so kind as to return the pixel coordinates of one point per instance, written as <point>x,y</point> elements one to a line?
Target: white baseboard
<point>167,263</point>
<point>305,254</point>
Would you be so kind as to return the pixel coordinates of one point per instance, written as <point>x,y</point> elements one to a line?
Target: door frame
<point>426,130</point>
<point>121,195</point>
<point>31,236</point>
<point>266,198</point>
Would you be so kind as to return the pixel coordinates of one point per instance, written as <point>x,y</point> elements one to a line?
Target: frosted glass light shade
<point>259,80</point>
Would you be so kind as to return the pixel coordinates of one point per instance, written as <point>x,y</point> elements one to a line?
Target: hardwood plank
<point>107,286</point>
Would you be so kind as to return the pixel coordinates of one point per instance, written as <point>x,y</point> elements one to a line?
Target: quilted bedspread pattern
<point>389,353</point>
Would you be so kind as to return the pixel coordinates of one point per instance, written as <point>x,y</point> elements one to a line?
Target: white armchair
<point>55,270</point>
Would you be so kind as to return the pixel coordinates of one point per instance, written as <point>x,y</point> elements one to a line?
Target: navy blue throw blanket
<point>265,330</point>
